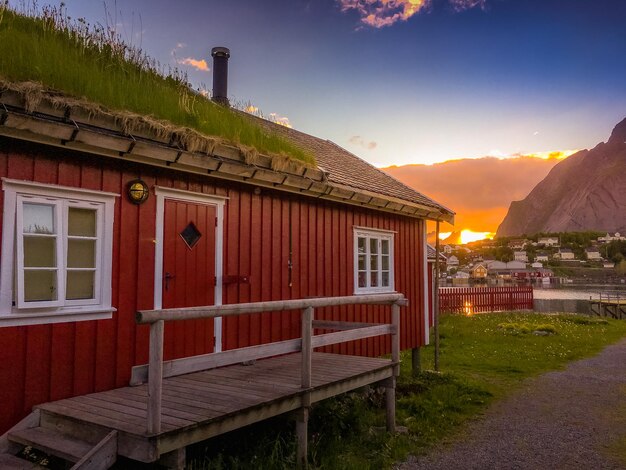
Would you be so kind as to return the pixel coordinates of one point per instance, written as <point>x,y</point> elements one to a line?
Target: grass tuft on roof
<point>92,63</point>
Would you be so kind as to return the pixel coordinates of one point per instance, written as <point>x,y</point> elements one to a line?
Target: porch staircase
<point>81,448</point>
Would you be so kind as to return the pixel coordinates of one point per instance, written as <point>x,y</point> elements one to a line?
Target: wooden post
<point>436,299</point>
<point>395,338</point>
<point>307,350</point>
<point>302,423</point>
<point>155,377</point>
<point>416,361</point>
<point>390,398</point>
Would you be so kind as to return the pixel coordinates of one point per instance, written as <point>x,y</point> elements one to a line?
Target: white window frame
<point>377,234</point>
<point>14,310</point>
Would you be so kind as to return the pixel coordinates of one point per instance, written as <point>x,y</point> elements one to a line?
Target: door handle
<point>167,278</point>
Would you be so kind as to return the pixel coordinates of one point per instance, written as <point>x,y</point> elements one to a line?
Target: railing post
<point>155,377</point>
<point>395,338</point>
<point>307,330</point>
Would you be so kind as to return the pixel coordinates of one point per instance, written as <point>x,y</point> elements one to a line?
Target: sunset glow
<point>550,155</point>
<point>467,236</point>
<point>471,236</point>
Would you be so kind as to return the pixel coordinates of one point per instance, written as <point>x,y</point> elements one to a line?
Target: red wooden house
<point>79,258</point>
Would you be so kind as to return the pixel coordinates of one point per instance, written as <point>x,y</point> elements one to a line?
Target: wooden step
<point>11,462</point>
<point>51,442</point>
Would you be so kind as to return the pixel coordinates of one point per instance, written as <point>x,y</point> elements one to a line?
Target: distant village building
<point>447,249</point>
<point>518,243</point>
<point>542,256</point>
<point>479,271</point>
<point>452,262</point>
<point>593,254</point>
<point>608,238</point>
<point>565,254</point>
<point>609,264</point>
<point>536,264</point>
<point>520,256</point>
<point>460,277</point>
<point>548,241</point>
<point>505,270</point>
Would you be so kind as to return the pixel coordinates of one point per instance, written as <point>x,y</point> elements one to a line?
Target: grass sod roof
<point>90,64</point>
<point>179,119</point>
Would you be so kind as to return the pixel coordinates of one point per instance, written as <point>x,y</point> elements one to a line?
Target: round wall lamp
<point>138,191</point>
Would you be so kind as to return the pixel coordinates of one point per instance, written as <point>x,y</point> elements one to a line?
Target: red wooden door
<point>188,274</point>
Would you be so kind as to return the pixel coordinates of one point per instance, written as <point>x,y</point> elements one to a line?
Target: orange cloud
<point>381,13</point>
<point>478,190</point>
<point>281,120</point>
<point>195,63</point>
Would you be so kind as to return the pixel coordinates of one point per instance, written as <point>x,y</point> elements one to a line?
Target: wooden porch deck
<point>204,404</point>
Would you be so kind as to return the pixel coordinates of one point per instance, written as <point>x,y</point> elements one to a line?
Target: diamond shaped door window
<point>190,235</point>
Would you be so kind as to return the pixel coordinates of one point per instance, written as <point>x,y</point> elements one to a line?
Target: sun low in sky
<point>404,81</point>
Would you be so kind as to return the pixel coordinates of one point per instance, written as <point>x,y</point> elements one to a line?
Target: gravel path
<point>568,419</point>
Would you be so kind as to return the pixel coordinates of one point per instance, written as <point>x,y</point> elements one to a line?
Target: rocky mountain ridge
<point>586,191</point>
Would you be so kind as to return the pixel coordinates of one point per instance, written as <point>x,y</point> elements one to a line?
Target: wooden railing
<point>157,369</point>
<point>468,300</point>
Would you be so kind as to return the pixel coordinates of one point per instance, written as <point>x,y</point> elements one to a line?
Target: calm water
<point>579,291</point>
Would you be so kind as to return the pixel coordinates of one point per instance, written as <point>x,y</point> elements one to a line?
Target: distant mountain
<point>478,190</point>
<point>587,191</point>
<point>453,239</point>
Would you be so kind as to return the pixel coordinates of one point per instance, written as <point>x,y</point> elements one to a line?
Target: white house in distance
<point>447,249</point>
<point>453,262</point>
<point>593,254</point>
<point>565,254</point>
<point>608,238</point>
<point>520,256</point>
<point>548,241</point>
<point>541,256</point>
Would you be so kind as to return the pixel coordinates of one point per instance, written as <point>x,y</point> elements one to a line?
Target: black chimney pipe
<point>220,75</point>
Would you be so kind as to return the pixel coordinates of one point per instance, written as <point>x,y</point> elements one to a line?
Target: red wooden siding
<point>48,362</point>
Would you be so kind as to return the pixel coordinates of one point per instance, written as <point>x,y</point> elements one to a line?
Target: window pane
<point>81,253</point>
<point>81,222</point>
<point>385,262</point>
<point>374,262</point>
<point>40,286</point>
<point>361,244</point>
<point>373,245</point>
<point>362,278</point>
<point>38,218</point>
<point>385,279</point>
<point>385,247</point>
<point>362,263</point>
<point>40,252</point>
<point>79,285</point>
<point>374,279</point>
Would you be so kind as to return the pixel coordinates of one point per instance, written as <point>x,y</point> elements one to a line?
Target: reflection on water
<point>578,291</point>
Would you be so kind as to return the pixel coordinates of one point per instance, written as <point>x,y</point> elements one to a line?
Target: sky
<point>488,186</point>
<point>401,81</point>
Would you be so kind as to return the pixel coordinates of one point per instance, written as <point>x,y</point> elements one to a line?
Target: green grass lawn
<point>483,357</point>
